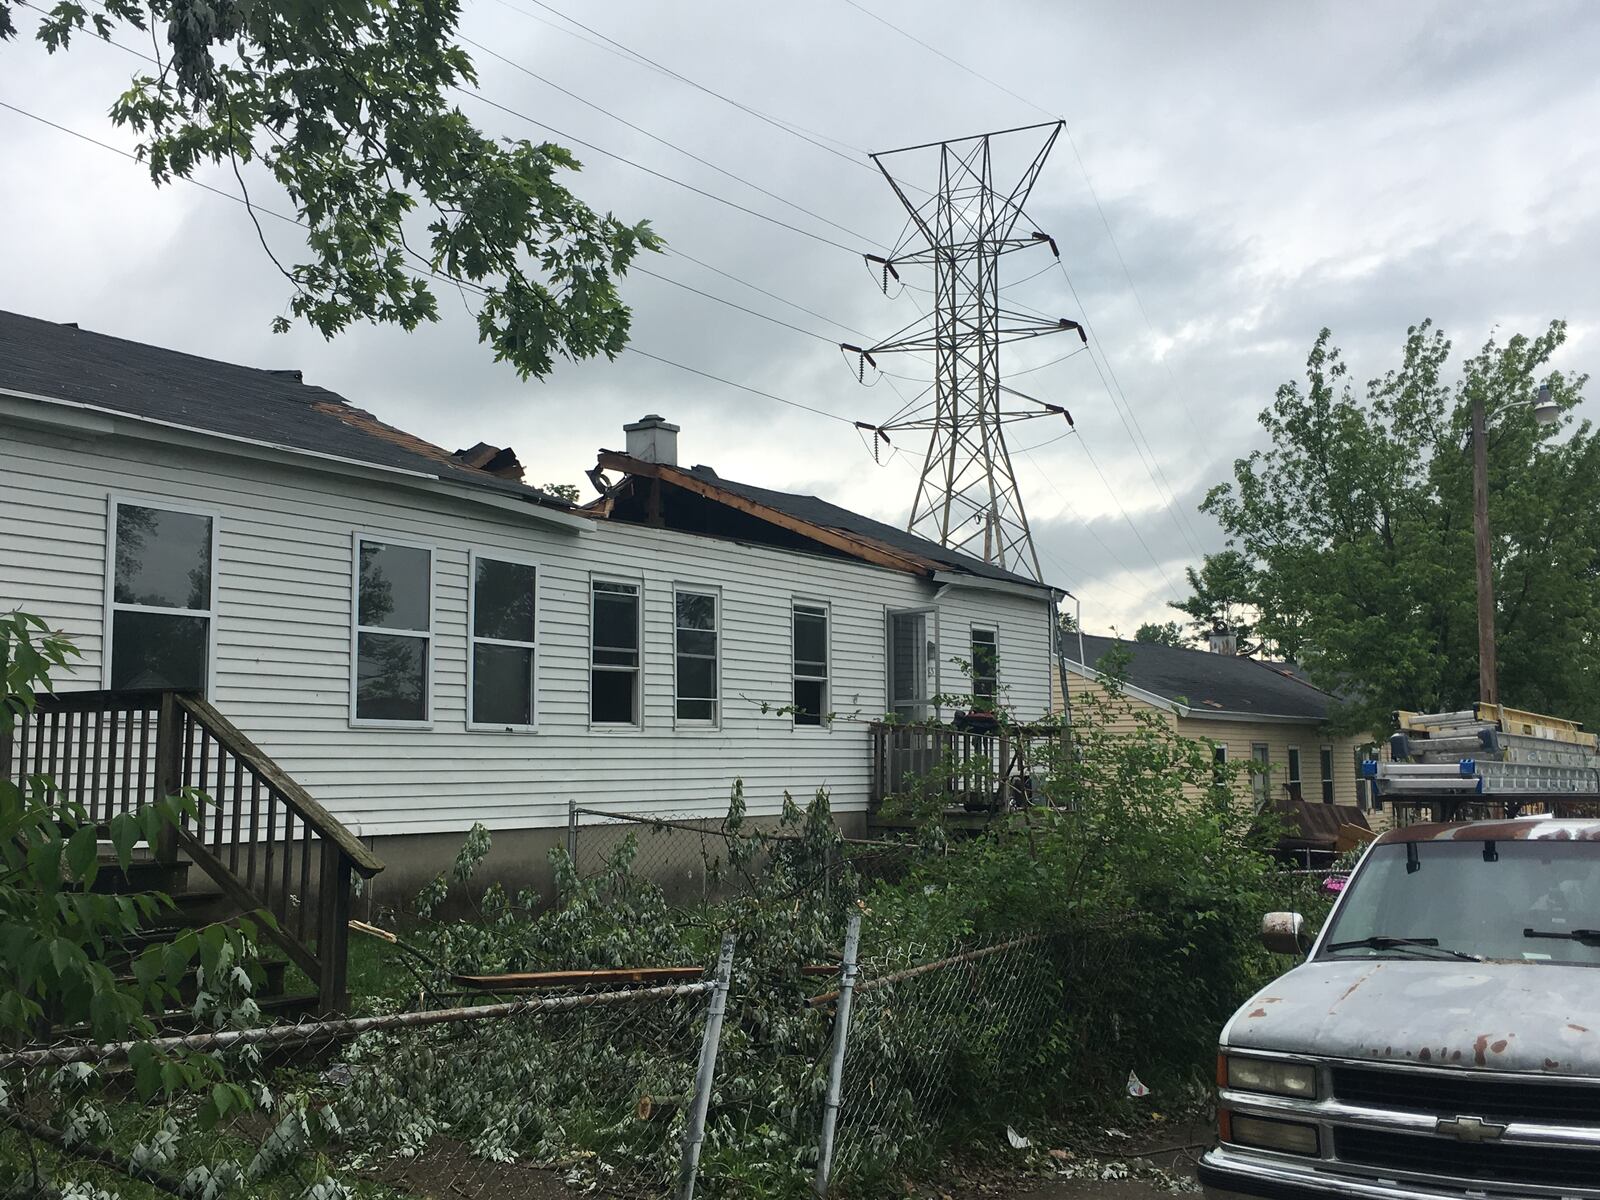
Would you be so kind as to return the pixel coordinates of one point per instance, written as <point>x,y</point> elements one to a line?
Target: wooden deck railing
<point>978,770</point>
<point>257,834</point>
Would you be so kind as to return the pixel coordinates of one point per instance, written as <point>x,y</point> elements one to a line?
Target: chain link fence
<point>700,862</point>
<point>580,1091</point>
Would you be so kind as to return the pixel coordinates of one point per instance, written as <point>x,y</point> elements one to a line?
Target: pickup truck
<point>1441,1040</point>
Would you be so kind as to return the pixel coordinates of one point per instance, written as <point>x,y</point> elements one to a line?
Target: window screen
<point>1327,774</point>
<point>161,599</point>
<point>614,653</point>
<point>810,642</point>
<point>394,634</point>
<point>695,643</point>
<point>504,642</point>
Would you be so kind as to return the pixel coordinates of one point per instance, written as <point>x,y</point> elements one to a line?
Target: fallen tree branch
<point>95,1154</point>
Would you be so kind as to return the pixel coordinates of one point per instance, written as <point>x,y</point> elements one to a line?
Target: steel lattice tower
<point>968,497</point>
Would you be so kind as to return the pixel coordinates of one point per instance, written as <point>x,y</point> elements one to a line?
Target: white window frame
<point>112,606</point>
<point>473,640</point>
<point>972,679</point>
<point>1294,769</point>
<point>825,725</point>
<point>637,724</point>
<point>357,629</point>
<point>1261,781</point>
<point>931,663</point>
<point>698,589</point>
<point>1329,781</point>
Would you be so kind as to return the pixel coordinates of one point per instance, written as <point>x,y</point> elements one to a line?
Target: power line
<point>295,221</point>
<point>638,166</point>
<point>743,387</point>
<point>794,130</point>
<point>771,195</point>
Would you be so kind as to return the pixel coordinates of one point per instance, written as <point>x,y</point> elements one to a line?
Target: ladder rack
<point>1486,757</point>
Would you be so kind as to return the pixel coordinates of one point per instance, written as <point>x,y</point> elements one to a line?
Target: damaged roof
<point>847,531</point>
<point>62,362</point>
<point>1220,683</point>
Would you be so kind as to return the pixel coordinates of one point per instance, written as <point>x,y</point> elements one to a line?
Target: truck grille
<point>1458,1093</point>
<point>1487,1162</point>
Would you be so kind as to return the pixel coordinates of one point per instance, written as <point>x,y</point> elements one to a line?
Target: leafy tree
<point>565,491</point>
<point>1356,529</point>
<point>1168,633</point>
<point>1225,594</point>
<point>348,106</point>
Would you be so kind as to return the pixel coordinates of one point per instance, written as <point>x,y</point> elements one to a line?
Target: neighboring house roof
<point>61,362</point>
<point>846,531</point>
<point>1208,684</point>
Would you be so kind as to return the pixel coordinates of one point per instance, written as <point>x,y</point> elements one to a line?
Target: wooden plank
<point>852,544</point>
<point>235,891</point>
<point>552,979</point>
<point>294,796</point>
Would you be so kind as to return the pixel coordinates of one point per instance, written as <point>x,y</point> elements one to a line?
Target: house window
<point>614,653</point>
<point>394,631</point>
<point>162,598</point>
<point>1261,756</point>
<point>985,670</point>
<point>810,640</point>
<point>1294,772</point>
<point>695,641</point>
<point>1219,765</point>
<point>504,643</point>
<point>1327,774</point>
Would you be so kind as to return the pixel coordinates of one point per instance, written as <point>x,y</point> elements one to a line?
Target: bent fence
<point>621,1092</point>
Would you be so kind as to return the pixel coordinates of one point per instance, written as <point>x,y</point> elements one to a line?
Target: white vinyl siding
<point>283,662</point>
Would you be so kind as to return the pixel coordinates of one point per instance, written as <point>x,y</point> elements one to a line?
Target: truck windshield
<point>1528,901</point>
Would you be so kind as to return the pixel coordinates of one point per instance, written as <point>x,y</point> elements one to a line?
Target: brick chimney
<point>653,439</point>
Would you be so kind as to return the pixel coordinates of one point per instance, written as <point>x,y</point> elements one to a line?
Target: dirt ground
<point>1159,1164</point>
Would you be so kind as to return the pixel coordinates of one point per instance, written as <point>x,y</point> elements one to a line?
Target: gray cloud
<point>1267,170</point>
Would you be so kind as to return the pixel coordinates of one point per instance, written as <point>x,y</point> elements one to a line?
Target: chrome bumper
<point>1227,1174</point>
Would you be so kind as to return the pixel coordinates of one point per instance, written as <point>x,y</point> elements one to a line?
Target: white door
<point>913,651</point>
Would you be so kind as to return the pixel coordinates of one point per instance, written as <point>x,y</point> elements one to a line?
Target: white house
<point>422,642</point>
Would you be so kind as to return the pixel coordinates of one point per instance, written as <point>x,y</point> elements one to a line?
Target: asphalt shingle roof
<point>831,516</point>
<point>1218,682</point>
<point>44,358</point>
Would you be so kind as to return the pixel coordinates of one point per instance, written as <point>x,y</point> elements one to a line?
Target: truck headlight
<point>1296,1080</point>
<point>1288,1137</point>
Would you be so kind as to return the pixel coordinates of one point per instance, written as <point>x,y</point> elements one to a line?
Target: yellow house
<point>1246,708</point>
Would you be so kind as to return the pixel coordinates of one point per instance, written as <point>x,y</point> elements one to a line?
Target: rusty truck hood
<point>1537,1018</point>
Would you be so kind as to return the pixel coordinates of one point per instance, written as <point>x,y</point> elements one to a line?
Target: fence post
<point>841,1035</point>
<point>572,833</point>
<point>694,1135</point>
<point>168,771</point>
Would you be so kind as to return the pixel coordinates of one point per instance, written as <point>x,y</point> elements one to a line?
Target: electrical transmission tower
<point>968,497</point>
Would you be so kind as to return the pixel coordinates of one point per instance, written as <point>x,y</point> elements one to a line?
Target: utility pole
<point>967,497</point>
<point>1488,676</point>
<point>1546,412</point>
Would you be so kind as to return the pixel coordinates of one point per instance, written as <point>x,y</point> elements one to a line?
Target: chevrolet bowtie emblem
<point>1469,1129</point>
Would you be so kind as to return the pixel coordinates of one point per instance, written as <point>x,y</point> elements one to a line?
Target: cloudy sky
<point>1264,170</point>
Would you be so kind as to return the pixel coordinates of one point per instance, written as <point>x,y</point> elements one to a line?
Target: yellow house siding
<point>1240,735</point>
